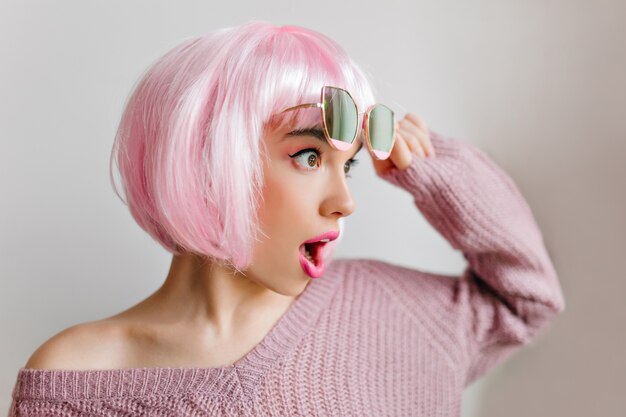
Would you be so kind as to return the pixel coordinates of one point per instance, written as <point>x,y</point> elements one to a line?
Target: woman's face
<point>305,194</point>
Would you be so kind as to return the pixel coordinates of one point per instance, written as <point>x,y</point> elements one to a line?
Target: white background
<point>538,85</point>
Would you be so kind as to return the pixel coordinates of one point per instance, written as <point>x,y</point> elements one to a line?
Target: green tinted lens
<point>341,114</point>
<point>380,125</point>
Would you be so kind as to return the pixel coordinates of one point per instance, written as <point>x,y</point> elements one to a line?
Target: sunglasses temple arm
<point>302,106</point>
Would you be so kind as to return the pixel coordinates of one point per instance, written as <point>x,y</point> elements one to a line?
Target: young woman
<point>234,152</point>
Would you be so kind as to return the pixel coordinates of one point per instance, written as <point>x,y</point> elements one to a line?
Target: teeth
<point>308,255</point>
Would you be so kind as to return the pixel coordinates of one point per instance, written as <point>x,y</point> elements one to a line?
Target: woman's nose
<point>339,199</point>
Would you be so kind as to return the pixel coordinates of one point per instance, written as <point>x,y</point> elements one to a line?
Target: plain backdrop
<point>538,85</point>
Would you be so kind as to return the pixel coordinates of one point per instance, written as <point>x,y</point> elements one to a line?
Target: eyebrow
<point>318,133</point>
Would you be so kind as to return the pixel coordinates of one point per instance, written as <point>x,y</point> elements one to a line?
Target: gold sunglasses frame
<point>364,125</point>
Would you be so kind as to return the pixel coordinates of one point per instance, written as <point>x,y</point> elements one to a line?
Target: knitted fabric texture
<point>369,338</point>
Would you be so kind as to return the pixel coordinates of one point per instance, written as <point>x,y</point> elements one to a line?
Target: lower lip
<point>312,270</point>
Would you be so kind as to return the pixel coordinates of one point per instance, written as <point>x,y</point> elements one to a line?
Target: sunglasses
<point>340,118</point>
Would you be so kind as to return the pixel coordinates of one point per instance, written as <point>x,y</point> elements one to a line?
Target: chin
<point>296,288</point>
<point>289,287</point>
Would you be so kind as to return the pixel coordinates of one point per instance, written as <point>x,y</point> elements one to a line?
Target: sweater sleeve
<point>509,290</point>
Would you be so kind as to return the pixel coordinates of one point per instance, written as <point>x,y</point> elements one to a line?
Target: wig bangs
<point>302,62</point>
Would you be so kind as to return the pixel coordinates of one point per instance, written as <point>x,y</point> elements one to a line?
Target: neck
<point>204,293</point>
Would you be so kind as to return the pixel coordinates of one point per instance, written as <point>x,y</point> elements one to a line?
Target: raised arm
<point>509,291</point>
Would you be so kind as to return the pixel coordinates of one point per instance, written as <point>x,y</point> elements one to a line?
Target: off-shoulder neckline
<point>236,381</point>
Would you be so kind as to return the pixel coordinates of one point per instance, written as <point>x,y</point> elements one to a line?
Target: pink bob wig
<point>189,145</point>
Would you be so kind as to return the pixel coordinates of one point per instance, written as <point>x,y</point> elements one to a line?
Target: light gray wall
<point>539,85</point>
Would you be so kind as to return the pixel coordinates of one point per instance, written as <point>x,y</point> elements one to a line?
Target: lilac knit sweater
<point>369,338</point>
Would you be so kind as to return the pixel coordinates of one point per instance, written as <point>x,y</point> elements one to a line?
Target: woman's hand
<point>412,137</point>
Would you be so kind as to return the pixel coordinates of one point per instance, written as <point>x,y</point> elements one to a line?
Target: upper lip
<point>330,235</point>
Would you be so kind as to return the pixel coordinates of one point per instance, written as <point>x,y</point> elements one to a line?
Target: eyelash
<point>318,151</point>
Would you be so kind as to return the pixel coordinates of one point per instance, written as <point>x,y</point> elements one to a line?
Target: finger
<point>412,141</point>
<point>409,126</point>
<point>422,135</point>
<point>401,155</point>
<point>417,121</point>
<point>406,135</point>
<point>426,143</point>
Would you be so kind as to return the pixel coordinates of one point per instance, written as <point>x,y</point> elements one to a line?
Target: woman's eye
<point>312,158</point>
<point>349,165</point>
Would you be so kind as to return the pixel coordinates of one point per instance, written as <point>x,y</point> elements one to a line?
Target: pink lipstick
<point>312,253</point>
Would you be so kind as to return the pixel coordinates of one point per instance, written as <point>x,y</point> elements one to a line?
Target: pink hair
<point>189,145</point>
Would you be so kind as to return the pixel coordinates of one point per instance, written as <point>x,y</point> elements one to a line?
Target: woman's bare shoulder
<point>89,345</point>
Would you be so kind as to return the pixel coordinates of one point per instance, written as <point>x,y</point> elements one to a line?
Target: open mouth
<point>313,251</point>
<point>312,258</point>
